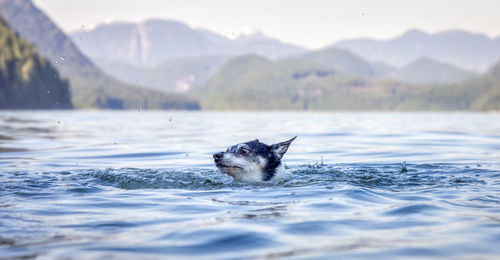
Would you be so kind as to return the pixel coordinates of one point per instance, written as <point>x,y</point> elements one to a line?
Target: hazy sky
<point>312,23</point>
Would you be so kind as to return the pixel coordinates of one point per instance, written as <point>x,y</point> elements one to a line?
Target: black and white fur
<point>253,161</point>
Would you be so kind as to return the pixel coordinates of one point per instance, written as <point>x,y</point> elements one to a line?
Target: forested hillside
<point>28,81</point>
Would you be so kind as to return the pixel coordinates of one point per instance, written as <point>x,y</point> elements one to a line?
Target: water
<point>142,185</point>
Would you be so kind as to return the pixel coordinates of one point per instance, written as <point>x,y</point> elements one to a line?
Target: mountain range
<point>184,74</point>
<point>171,56</point>
<point>471,51</point>
<point>176,75</point>
<point>152,42</point>
<point>169,65</point>
<point>428,71</point>
<point>254,82</point>
<point>90,87</point>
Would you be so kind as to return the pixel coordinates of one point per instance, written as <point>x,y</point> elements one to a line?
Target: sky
<point>312,24</point>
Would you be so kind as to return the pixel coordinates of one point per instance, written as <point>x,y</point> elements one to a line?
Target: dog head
<point>252,161</point>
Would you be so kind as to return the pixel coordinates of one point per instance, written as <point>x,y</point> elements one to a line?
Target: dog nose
<point>218,156</point>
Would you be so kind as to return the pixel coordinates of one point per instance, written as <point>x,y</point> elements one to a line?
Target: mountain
<point>177,75</point>
<point>384,70</point>
<point>260,44</point>
<point>255,83</point>
<point>154,41</point>
<point>419,71</point>
<point>90,87</point>
<point>464,49</point>
<point>341,60</point>
<point>28,81</point>
<point>428,71</point>
<point>480,93</point>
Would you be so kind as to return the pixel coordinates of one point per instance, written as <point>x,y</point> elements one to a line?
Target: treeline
<point>27,80</point>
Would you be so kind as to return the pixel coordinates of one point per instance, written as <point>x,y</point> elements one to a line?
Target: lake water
<point>142,185</point>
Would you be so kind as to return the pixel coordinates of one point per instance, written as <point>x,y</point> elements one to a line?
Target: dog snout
<point>218,156</point>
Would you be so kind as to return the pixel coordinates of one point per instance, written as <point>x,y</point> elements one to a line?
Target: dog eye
<point>244,150</point>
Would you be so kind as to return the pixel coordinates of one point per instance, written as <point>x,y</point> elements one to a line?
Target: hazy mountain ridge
<point>154,41</point>
<point>177,75</point>
<point>329,79</point>
<point>420,71</point>
<point>472,51</point>
<point>89,86</point>
<point>150,42</point>
<point>253,82</point>
<point>28,81</point>
<point>341,60</point>
<point>428,71</point>
<point>180,75</point>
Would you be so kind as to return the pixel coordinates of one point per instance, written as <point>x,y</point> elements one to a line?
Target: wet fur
<point>253,161</point>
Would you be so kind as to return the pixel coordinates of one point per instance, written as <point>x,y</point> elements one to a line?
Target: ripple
<point>379,176</point>
<point>324,209</point>
<point>415,209</point>
<point>126,155</point>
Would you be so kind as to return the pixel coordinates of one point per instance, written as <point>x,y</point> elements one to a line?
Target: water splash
<point>378,176</point>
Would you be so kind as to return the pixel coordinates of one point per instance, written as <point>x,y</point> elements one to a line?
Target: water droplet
<point>62,58</point>
<point>56,63</point>
<point>139,109</point>
<point>58,122</point>
<point>55,75</point>
<point>403,169</point>
<point>48,91</point>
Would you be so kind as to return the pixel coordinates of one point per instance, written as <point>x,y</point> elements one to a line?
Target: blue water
<point>142,185</point>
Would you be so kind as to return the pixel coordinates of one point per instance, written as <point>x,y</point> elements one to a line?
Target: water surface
<point>129,185</point>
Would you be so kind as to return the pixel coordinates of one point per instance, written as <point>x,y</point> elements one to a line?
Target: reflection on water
<point>142,185</point>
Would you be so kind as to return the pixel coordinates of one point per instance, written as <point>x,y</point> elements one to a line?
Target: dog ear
<point>280,148</point>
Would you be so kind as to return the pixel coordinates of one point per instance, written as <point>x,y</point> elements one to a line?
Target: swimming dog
<point>253,161</point>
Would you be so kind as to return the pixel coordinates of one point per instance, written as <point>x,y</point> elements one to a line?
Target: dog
<point>253,161</point>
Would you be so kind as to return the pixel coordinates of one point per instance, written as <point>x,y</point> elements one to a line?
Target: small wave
<point>377,176</point>
<point>133,178</point>
<point>388,176</point>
